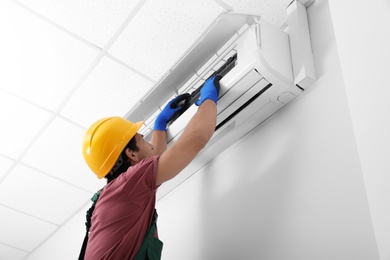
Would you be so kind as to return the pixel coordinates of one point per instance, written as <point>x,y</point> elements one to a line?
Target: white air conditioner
<point>268,67</point>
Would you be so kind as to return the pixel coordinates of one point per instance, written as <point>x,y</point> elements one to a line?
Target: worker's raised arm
<point>194,137</point>
<point>159,141</point>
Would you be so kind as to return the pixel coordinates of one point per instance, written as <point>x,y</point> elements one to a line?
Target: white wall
<point>363,43</point>
<point>291,189</point>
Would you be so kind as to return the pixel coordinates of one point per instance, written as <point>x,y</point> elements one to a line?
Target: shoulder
<point>144,172</point>
<point>149,164</point>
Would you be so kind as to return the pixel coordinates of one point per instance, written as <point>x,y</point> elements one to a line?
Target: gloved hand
<point>209,90</point>
<point>169,110</point>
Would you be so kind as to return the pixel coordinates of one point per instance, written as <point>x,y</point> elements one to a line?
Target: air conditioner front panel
<point>243,98</point>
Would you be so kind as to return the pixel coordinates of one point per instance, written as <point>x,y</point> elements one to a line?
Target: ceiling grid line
<point>30,215</point>
<point>18,160</point>
<point>27,101</point>
<point>110,56</point>
<point>14,247</point>
<point>123,26</point>
<point>54,177</point>
<point>103,52</point>
<point>56,25</point>
<point>58,228</point>
<point>224,5</point>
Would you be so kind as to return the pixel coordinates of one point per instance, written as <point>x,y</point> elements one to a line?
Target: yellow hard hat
<point>104,141</point>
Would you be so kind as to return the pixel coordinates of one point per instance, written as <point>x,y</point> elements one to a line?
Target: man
<point>123,223</point>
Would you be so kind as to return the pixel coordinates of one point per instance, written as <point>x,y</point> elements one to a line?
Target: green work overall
<point>151,247</point>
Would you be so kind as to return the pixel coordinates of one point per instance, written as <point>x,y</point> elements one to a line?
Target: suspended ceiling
<point>66,63</point>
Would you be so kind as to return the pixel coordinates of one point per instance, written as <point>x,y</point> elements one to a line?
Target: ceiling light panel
<point>20,123</point>
<point>38,61</point>
<point>58,152</point>
<point>7,252</point>
<point>110,90</point>
<point>44,197</point>
<point>94,20</point>
<point>273,11</point>
<point>22,231</point>
<point>163,30</point>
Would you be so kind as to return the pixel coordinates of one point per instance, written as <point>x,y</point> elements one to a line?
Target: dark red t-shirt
<point>123,213</point>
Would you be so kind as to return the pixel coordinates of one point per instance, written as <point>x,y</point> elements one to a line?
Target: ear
<point>133,156</point>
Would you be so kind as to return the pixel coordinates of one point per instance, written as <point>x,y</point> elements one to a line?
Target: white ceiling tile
<point>22,231</point>
<point>110,90</point>
<point>58,152</point>
<point>273,11</point>
<point>5,164</point>
<point>7,252</point>
<point>20,123</point>
<point>161,32</point>
<point>40,195</point>
<point>38,61</point>
<point>93,20</point>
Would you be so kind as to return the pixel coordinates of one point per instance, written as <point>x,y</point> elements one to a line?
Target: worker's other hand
<point>169,110</point>
<point>209,90</point>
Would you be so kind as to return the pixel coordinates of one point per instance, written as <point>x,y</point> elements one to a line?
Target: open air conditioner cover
<point>254,57</point>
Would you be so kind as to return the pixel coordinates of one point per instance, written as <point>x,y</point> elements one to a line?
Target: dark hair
<point>122,164</point>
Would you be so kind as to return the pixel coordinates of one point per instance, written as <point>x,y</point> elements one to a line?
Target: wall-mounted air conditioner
<point>264,67</point>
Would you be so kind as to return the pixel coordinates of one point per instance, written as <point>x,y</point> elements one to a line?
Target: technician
<point>121,224</point>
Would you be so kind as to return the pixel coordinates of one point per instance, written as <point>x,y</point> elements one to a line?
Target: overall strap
<point>88,223</point>
<point>151,247</point>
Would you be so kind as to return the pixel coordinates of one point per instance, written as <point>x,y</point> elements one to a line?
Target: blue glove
<point>169,110</point>
<point>209,90</point>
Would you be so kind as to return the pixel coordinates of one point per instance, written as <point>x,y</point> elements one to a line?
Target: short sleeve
<point>144,174</point>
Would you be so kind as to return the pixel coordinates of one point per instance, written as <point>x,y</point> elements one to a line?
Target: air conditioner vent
<point>242,107</point>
